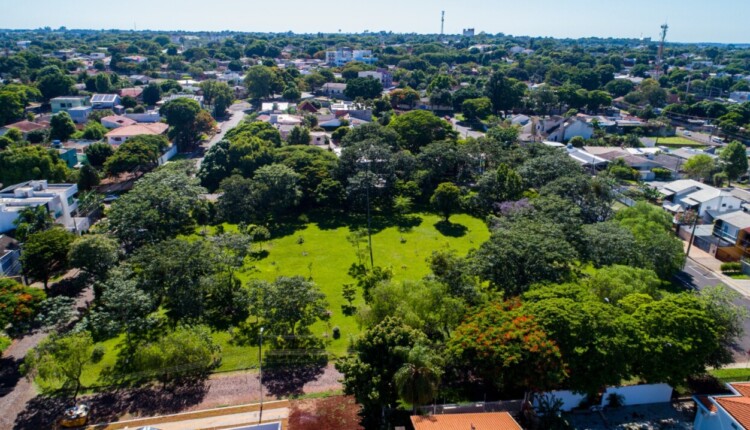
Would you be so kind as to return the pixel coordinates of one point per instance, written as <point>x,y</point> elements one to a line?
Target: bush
<point>731,267</point>
<point>97,354</point>
<point>336,332</point>
<point>661,173</point>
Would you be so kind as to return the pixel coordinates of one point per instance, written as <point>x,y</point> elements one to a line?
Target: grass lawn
<point>677,141</point>
<point>325,255</point>
<point>739,276</point>
<point>731,375</point>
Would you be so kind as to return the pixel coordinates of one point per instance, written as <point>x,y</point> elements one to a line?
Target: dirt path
<point>15,391</point>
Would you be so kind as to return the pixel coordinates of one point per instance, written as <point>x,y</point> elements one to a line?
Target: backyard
<point>319,249</point>
<point>679,142</point>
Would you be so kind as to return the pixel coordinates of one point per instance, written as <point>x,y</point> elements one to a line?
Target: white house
<point>59,200</point>
<point>721,412</point>
<point>342,56</point>
<point>685,194</point>
<point>333,90</point>
<point>382,75</point>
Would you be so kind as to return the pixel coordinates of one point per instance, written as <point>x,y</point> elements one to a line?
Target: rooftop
<point>738,219</point>
<point>103,98</point>
<point>26,126</point>
<point>475,421</point>
<point>139,129</point>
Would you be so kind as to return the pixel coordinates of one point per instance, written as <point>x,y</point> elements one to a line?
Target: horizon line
<point>360,33</point>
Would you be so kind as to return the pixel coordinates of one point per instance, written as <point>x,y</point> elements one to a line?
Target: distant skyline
<point>720,21</point>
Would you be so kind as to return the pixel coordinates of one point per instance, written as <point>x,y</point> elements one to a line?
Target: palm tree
<point>417,381</point>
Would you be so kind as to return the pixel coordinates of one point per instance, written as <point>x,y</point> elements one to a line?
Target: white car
<point>687,133</point>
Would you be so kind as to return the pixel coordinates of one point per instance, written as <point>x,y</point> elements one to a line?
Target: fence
<point>510,406</point>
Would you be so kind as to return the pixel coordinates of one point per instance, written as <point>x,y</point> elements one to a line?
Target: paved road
<point>464,132</point>
<point>697,277</point>
<point>695,136</point>
<point>237,114</point>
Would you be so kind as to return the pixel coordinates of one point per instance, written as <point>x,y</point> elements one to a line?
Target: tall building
<point>468,32</point>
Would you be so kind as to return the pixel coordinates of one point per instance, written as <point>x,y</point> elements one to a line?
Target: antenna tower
<point>442,23</point>
<point>664,29</point>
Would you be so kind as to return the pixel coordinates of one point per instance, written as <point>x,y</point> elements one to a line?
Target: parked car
<point>687,133</point>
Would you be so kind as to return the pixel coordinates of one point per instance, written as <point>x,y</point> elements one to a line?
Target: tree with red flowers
<point>504,344</point>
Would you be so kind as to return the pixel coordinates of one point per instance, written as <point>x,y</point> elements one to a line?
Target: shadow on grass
<point>42,411</point>
<point>447,228</point>
<point>332,220</point>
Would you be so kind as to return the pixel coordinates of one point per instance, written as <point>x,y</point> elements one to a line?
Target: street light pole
<point>260,377</point>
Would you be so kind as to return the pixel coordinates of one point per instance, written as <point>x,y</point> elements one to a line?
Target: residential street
<point>701,271</point>
<point>236,115</point>
<point>464,132</point>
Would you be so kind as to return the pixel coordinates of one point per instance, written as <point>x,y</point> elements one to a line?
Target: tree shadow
<point>10,374</point>
<point>43,411</point>
<point>70,287</point>
<point>407,223</point>
<point>285,381</point>
<point>447,228</point>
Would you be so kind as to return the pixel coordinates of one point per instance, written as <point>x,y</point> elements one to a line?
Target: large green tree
<point>159,206</point>
<point>369,372</point>
<point>418,128</point>
<point>446,199</point>
<point>61,126</point>
<point>58,362</point>
<point>95,254</point>
<point>418,379</point>
<point>504,93</point>
<point>523,252</point>
<point>182,116</point>
<point>734,157</point>
<point>45,254</point>
<point>366,88</point>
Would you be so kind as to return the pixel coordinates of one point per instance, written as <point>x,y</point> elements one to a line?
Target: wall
<point>640,394</point>
<point>570,399</point>
<point>168,155</point>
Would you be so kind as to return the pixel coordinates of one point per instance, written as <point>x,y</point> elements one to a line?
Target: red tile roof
<point>26,126</point>
<point>737,407</point>
<point>132,92</point>
<point>477,421</point>
<point>138,129</point>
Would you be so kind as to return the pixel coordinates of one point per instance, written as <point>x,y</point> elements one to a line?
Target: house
<point>134,92</point>
<point>470,421</point>
<point>122,134</point>
<point>342,56</point>
<point>381,75</point>
<point>732,233</point>
<point>718,412</point>
<point>685,194</point>
<point>25,127</point>
<point>333,90</point>
<point>142,79</point>
<point>318,138</point>
<point>586,159</point>
<point>270,107</point>
<point>739,96</point>
<point>80,115</point>
<point>116,121</point>
<point>105,101</point>
<point>68,155</point>
<point>135,59</point>
<point>10,253</point>
<point>59,104</point>
<point>59,199</point>
<point>171,97</point>
<point>150,116</point>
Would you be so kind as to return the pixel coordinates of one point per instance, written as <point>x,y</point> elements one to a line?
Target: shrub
<point>97,354</point>
<point>661,173</point>
<point>731,267</point>
<point>336,332</point>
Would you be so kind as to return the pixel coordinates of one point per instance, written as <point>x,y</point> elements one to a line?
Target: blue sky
<point>689,20</point>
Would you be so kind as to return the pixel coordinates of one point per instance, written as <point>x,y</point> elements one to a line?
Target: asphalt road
<point>696,277</point>
<point>464,132</point>
<point>698,137</point>
<point>237,114</point>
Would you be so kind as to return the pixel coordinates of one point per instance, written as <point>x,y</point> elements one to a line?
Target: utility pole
<point>260,377</point>
<point>369,218</point>
<point>692,237</point>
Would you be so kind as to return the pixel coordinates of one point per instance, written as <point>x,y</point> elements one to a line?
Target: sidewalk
<point>710,263</point>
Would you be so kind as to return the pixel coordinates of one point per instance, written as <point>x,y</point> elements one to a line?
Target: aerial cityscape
<point>481,217</point>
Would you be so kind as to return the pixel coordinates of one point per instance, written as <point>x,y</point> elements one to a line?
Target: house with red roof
<point>471,421</point>
<point>726,411</point>
<point>120,135</point>
<point>25,127</point>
